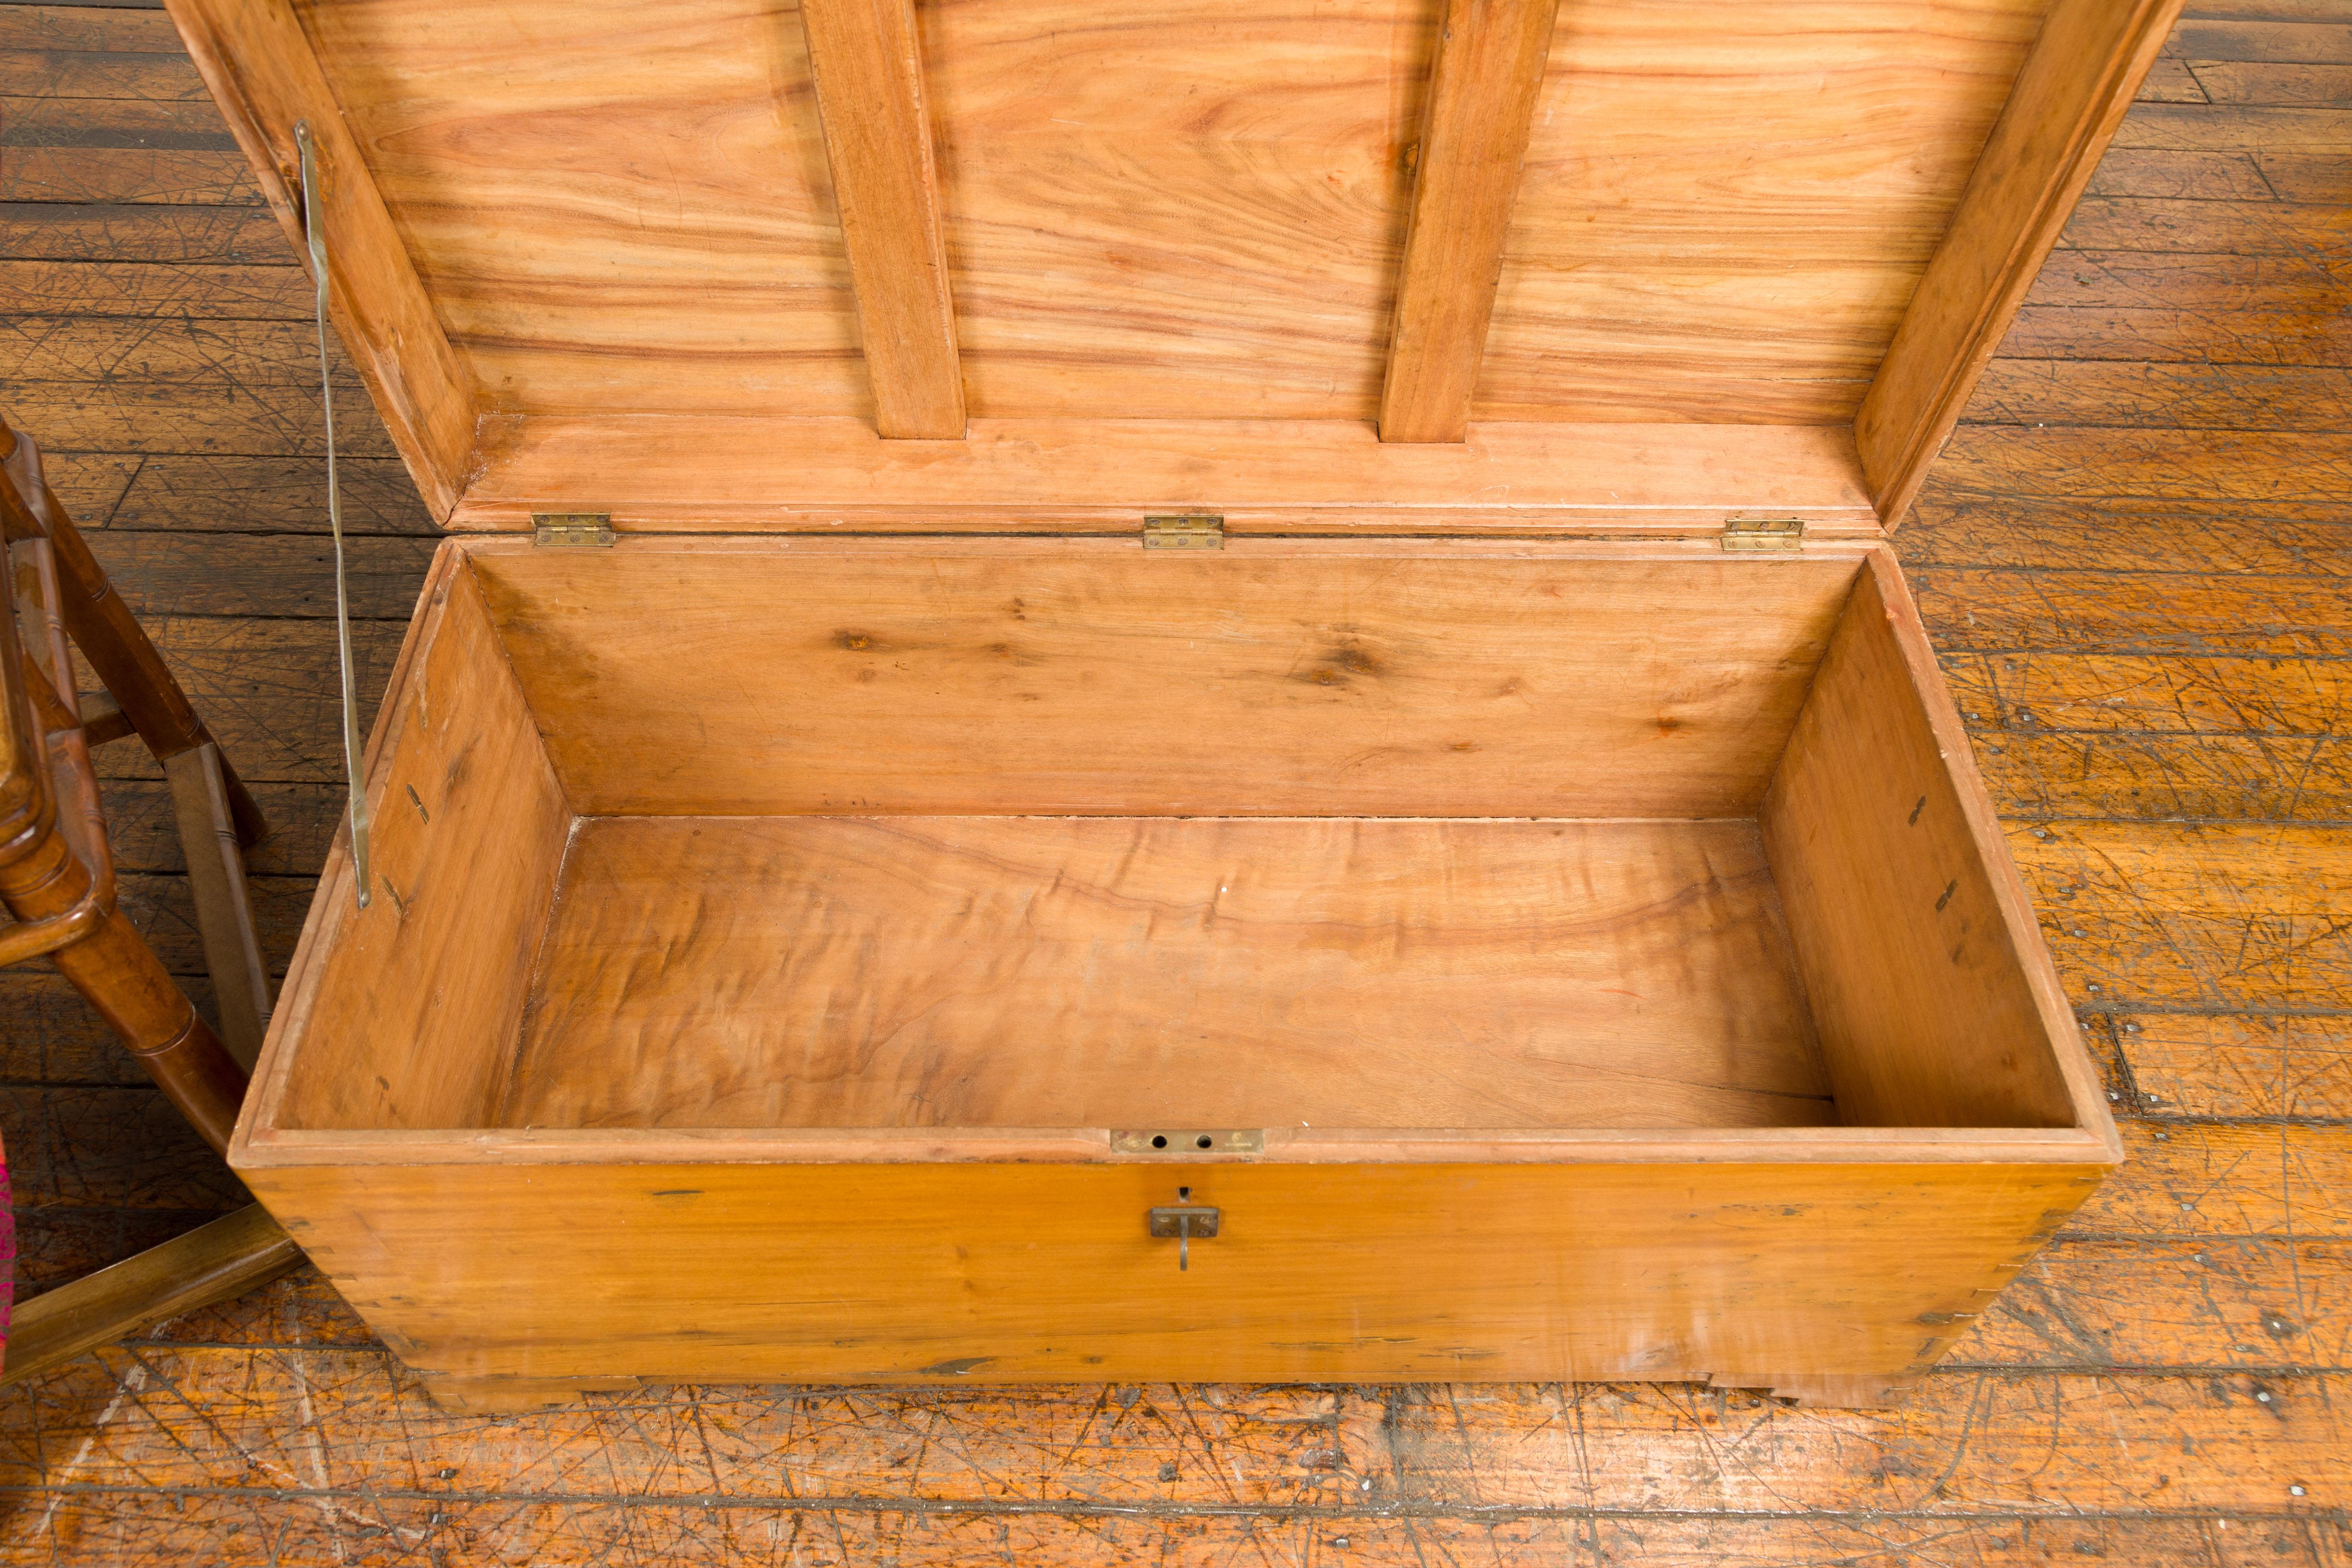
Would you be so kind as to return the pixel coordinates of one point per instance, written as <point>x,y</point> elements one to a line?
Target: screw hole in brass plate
<point>1193,1141</point>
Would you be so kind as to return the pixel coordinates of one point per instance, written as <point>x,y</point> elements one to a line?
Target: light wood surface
<point>1726,206</point>
<point>261,1142</point>
<point>2087,62</point>
<point>1040,972</point>
<point>867,64</point>
<point>642,219</point>
<point>1094,474</point>
<point>1197,213</point>
<point>1486,75</point>
<point>215,1262</point>
<point>1933,993</point>
<point>258,63</point>
<point>1008,1273</point>
<point>1189,210</point>
<point>407,1023</point>
<point>1108,679</point>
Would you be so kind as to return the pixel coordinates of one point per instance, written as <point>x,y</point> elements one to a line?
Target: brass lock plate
<point>1194,1141</point>
<point>1194,1222</point>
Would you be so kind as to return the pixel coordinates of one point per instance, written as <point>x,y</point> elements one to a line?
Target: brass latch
<point>1187,1222</point>
<point>1193,1141</point>
<point>1199,531</point>
<point>573,530</point>
<point>1766,535</point>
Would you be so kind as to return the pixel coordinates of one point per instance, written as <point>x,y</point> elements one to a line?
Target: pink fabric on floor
<point>7,1254</point>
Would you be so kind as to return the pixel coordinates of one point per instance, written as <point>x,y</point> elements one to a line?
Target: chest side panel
<point>903,1273</point>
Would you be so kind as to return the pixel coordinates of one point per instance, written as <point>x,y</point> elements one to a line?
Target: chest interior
<point>1071,835</point>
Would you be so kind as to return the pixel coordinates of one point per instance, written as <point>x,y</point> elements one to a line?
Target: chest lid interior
<point>1422,265</point>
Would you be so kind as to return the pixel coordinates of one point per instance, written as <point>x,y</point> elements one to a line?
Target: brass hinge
<point>573,530</point>
<point>1772,535</point>
<point>1199,531</point>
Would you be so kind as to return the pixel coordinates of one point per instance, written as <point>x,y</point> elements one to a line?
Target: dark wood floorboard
<point>2136,561</point>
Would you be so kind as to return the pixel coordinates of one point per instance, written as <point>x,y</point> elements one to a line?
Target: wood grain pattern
<point>643,220</point>
<point>1726,206</point>
<point>2114,1418</point>
<point>260,66</point>
<point>1091,475</point>
<point>2245,1066</point>
<point>1036,676</point>
<point>962,1274</point>
<point>867,64</point>
<point>1191,210</point>
<point>1933,996</point>
<point>1201,213</point>
<point>2070,96</point>
<point>1484,83</point>
<point>1026,971</point>
<point>468,826</point>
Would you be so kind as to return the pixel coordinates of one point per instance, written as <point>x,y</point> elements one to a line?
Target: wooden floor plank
<point>463,1533</point>
<point>2240,1065</point>
<point>2120,387</point>
<point>2226,694</point>
<point>2259,227</point>
<point>2207,38</point>
<point>2048,778</point>
<point>2195,288</point>
<point>76,27</point>
<point>264,495</point>
<point>2265,1305</point>
<point>2171,81</point>
<point>2317,86</point>
<point>2066,463</point>
<point>291,574</point>
<point>172,176</point>
<point>2179,915</point>
<point>345,1426</point>
<point>91,485</point>
<point>2102,534</point>
<point>270,289</point>
<point>124,1147</point>
<point>2202,1179</point>
<point>168,352</point>
<point>2263,177</point>
<point>2196,128</point>
<point>68,74</point>
<point>1970,609</point>
<point>41,231</point>
<point>261,419</point>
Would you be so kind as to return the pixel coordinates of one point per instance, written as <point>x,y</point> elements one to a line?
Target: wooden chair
<point>57,881</point>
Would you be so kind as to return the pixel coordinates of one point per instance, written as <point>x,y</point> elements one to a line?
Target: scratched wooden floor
<point>2137,558</point>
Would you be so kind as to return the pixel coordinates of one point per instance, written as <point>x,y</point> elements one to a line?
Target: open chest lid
<point>1592,266</point>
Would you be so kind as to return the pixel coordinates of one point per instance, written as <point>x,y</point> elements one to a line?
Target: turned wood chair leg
<point>216,815</point>
<point>57,879</point>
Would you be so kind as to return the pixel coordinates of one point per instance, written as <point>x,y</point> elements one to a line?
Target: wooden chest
<point>1172,692</point>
